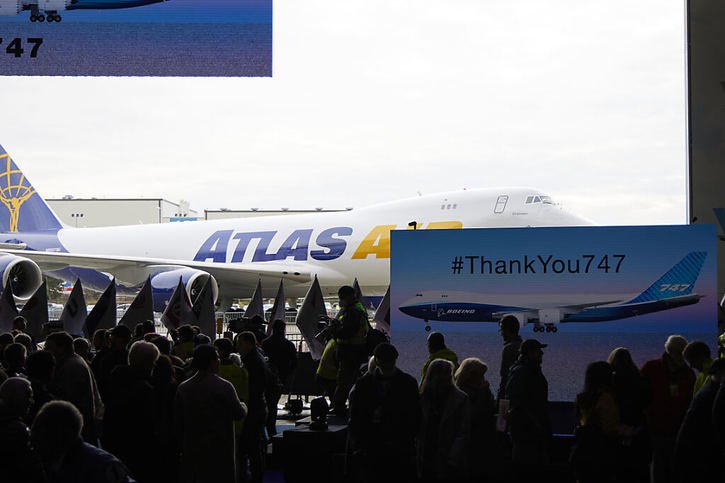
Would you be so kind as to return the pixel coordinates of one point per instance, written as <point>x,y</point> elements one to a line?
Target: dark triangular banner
<point>358,291</point>
<point>178,311</point>
<point>35,312</point>
<point>103,315</point>
<point>309,315</point>
<point>74,312</point>
<point>256,305</point>
<point>278,309</point>
<point>382,314</point>
<point>8,310</point>
<point>203,310</point>
<point>141,309</point>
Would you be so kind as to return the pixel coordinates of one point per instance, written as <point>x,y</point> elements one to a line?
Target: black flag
<point>309,315</point>
<point>35,312</point>
<point>278,309</point>
<point>8,310</point>
<point>74,312</point>
<point>382,315</point>
<point>256,306</point>
<point>178,311</point>
<point>103,315</point>
<point>141,309</point>
<point>204,310</point>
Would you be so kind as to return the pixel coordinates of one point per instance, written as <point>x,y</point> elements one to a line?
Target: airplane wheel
<point>58,18</point>
<point>41,18</point>
<point>548,329</point>
<point>51,18</point>
<point>33,18</point>
<point>554,329</point>
<point>427,328</point>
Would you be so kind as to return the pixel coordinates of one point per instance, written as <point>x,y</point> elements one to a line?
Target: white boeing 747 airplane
<point>236,253</point>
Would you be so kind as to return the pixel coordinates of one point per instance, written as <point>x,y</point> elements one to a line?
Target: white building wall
<point>84,213</point>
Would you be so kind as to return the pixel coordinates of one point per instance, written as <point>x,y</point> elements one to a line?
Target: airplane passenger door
<point>500,204</point>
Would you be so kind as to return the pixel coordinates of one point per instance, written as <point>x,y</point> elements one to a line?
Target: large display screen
<point>136,37</point>
<point>584,291</point>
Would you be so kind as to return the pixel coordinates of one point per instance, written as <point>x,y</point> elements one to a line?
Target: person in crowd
<point>528,393</point>
<point>509,330</point>
<point>83,349</point>
<point>117,355</point>
<point>282,356</point>
<point>16,460</point>
<point>326,374</point>
<point>40,369</point>
<point>698,357</point>
<point>718,420</point>
<point>437,350</point>
<point>239,377</point>
<point>200,339</point>
<point>698,456</point>
<point>252,437</point>
<point>672,384</point>
<point>74,382</point>
<point>129,409</point>
<point>350,344</point>
<point>184,348</point>
<point>633,395</point>
<point>6,338</point>
<point>148,327</point>
<point>27,341</point>
<point>164,382</point>
<point>385,419</point>
<point>64,456</point>
<point>206,407</point>
<point>138,332</point>
<point>20,324</point>
<point>471,379</point>
<point>14,357</point>
<point>600,434</point>
<point>443,441</point>
<point>100,349</point>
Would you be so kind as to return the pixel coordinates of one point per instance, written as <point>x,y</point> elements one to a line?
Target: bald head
<point>17,396</point>
<point>674,347</point>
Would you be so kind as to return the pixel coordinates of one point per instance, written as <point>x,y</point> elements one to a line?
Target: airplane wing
<point>134,270</point>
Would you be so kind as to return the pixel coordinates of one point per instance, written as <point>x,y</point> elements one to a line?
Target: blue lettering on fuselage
<point>295,246</point>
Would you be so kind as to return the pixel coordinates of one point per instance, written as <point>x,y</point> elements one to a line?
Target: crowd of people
<point>141,406</point>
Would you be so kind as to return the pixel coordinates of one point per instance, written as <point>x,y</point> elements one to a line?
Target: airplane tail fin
<point>21,208</point>
<point>678,281</point>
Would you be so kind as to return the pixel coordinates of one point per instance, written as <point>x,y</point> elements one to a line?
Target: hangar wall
<point>93,212</point>
<point>706,117</point>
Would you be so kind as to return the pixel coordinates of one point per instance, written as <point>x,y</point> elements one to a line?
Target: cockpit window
<point>539,199</point>
<point>529,199</point>
<point>547,200</point>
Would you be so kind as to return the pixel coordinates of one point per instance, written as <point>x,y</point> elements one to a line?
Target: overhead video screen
<point>225,38</point>
<point>584,291</point>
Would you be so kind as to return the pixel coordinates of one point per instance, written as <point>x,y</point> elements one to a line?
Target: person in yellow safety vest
<point>438,350</point>
<point>233,373</point>
<point>185,347</point>
<point>351,341</point>
<point>698,357</point>
<point>327,369</point>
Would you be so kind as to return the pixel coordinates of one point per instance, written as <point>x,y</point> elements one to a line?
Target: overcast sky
<point>374,100</point>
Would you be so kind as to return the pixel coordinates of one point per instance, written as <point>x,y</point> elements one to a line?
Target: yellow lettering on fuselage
<point>377,242</point>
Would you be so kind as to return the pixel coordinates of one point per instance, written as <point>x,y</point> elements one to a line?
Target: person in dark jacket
<point>117,355</point>
<point>698,457</point>
<point>252,437</point>
<point>41,367</point>
<point>633,395</point>
<point>128,423</point>
<point>282,356</point>
<point>672,383</point>
<point>385,419</point>
<point>483,458</point>
<point>528,393</point>
<point>509,330</point>
<point>718,420</point>
<point>16,459</point>
<point>443,442</point>
<point>65,457</point>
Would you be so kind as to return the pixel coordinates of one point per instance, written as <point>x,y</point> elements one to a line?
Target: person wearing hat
<point>528,393</point>
<point>698,455</point>
<point>385,419</point>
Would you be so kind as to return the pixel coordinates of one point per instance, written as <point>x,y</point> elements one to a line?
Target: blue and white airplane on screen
<point>673,289</point>
<point>236,253</point>
<point>42,10</point>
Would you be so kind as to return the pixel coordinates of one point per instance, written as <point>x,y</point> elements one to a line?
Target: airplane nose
<point>409,310</point>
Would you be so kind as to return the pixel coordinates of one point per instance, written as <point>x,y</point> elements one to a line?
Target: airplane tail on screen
<point>678,281</point>
<point>22,209</point>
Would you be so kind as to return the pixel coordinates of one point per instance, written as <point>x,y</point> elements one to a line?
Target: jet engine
<point>22,275</point>
<point>164,283</point>
<point>8,8</point>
